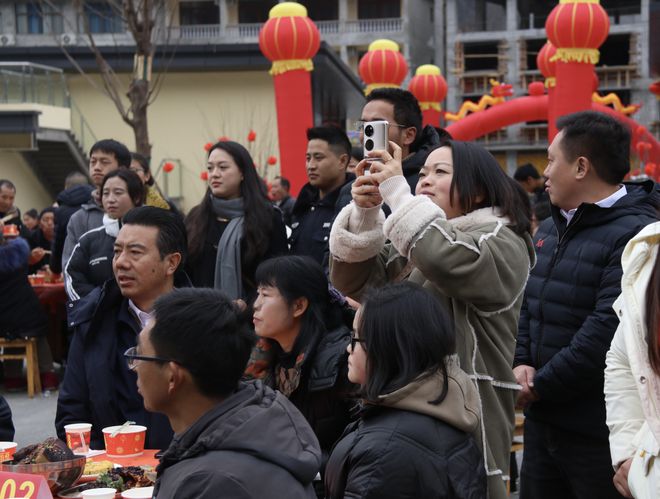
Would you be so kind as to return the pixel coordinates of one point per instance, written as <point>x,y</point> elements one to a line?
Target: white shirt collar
<point>608,202</point>
<point>143,317</point>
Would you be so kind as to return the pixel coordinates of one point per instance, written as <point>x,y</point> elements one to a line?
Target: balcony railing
<point>534,134</point>
<point>616,76</point>
<point>249,32</point>
<point>25,82</point>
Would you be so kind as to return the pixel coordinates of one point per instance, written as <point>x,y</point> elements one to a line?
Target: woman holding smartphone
<point>465,236</point>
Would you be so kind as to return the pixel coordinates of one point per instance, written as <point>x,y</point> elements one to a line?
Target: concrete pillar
<point>224,14</point>
<point>451,28</point>
<point>439,35</point>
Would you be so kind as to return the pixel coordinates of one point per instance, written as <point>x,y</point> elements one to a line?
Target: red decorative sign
<point>24,486</point>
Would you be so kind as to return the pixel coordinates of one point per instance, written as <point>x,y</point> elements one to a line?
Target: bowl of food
<point>51,459</point>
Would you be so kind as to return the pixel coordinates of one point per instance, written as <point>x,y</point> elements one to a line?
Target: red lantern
<point>223,139</point>
<point>428,86</point>
<point>536,88</point>
<point>272,160</point>
<point>168,167</point>
<point>252,135</point>
<point>204,175</point>
<point>577,28</point>
<point>654,88</point>
<point>382,66</point>
<point>546,65</point>
<point>651,169</point>
<point>289,38</point>
<point>208,146</point>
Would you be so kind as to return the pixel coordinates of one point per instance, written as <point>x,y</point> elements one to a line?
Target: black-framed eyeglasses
<point>354,340</point>
<point>359,125</point>
<point>132,357</point>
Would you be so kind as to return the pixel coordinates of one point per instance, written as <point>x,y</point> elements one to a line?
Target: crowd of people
<point>374,336</point>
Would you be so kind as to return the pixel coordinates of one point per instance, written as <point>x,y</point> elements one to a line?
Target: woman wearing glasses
<point>235,227</point>
<point>464,236</point>
<point>413,438</point>
<point>304,329</point>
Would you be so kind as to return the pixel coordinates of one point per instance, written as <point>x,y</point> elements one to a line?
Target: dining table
<point>53,298</point>
<point>147,458</point>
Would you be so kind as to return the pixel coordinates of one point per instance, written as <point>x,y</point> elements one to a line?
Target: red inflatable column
<point>290,39</point>
<point>430,88</point>
<point>576,28</point>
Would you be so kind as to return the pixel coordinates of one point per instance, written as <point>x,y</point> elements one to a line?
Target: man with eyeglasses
<point>401,110</point>
<point>233,439</point>
<point>104,156</point>
<point>98,386</point>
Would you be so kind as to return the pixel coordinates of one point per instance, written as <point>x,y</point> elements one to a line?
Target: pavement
<point>34,418</point>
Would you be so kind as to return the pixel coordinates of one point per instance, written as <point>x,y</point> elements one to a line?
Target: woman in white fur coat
<point>464,236</point>
<point>632,375</point>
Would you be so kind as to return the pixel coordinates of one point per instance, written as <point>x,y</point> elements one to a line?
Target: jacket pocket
<point>644,473</point>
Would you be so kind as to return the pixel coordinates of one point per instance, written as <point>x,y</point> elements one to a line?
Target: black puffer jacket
<point>406,447</point>
<point>567,321</point>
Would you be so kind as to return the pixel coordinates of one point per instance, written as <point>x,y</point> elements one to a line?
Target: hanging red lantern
<point>546,64</point>
<point>382,66</point>
<point>536,88</point>
<point>654,88</point>
<point>289,38</point>
<point>208,146</point>
<point>168,167</point>
<point>224,138</point>
<point>252,135</point>
<point>204,175</point>
<point>429,86</point>
<point>272,160</point>
<point>577,28</point>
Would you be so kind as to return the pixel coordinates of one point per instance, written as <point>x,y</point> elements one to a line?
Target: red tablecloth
<point>53,299</point>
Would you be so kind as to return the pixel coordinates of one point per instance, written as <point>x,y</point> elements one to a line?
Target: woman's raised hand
<point>385,165</point>
<point>364,190</point>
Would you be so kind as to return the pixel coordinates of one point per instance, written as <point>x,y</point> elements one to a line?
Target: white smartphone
<point>375,136</point>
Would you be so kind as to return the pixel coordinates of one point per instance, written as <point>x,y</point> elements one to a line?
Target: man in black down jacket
<point>567,322</point>
<point>233,439</point>
<point>77,191</point>
<point>98,386</point>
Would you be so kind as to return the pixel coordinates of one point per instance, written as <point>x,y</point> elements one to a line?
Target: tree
<point>144,20</point>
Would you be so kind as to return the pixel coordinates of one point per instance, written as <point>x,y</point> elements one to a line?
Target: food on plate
<point>127,477</point>
<point>96,468</point>
<point>50,450</point>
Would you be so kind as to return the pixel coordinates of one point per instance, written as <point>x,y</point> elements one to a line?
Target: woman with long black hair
<point>235,227</point>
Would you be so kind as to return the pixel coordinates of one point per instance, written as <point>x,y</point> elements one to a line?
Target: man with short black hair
<point>77,192</point>
<point>401,110</point>
<point>233,439</point>
<point>279,192</point>
<point>9,209</point>
<point>328,153</point>
<point>98,387</point>
<point>104,156</point>
<point>567,321</point>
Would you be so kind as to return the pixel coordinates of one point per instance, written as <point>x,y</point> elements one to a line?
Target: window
<point>254,11</point>
<point>481,15</point>
<point>379,9</point>
<point>623,11</point>
<point>532,15</point>
<point>327,10</point>
<point>191,13</point>
<point>35,18</point>
<point>103,17</point>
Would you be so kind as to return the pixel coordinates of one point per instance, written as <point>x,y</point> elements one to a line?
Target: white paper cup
<point>99,494</point>
<point>138,493</point>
